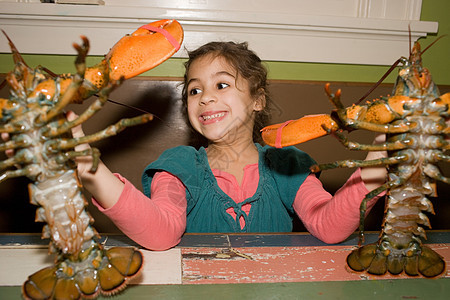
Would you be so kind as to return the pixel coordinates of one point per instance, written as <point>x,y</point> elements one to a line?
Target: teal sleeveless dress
<point>281,172</point>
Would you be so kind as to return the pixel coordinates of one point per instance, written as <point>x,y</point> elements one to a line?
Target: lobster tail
<point>430,263</point>
<point>361,258</point>
<point>91,273</point>
<point>374,260</point>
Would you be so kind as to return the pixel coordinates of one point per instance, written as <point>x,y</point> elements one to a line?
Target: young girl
<point>234,184</point>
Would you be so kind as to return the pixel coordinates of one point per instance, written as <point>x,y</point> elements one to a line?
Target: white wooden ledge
<point>321,31</point>
<point>160,267</point>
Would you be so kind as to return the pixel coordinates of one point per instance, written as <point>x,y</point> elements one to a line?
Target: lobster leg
<point>62,144</point>
<point>396,145</point>
<point>56,128</point>
<point>13,174</point>
<point>93,152</point>
<point>7,163</point>
<point>21,157</point>
<point>363,209</point>
<point>93,108</point>
<point>14,144</point>
<point>74,86</point>
<point>434,173</point>
<point>399,127</point>
<point>442,157</point>
<point>349,163</point>
<point>11,128</point>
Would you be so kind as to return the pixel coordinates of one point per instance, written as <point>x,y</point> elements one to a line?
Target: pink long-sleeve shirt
<point>158,223</point>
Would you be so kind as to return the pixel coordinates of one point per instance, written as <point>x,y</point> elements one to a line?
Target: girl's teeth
<point>209,117</point>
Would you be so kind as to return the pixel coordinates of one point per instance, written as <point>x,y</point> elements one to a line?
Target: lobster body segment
<point>44,151</point>
<point>415,120</point>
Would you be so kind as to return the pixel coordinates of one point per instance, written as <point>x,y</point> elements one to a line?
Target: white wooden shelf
<point>321,31</point>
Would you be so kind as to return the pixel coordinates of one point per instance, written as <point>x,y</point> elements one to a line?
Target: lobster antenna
<point>395,65</point>
<point>2,85</point>
<point>50,72</point>
<point>109,100</point>
<point>132,107</point>
<point>16,55</point>
<point>379,81</point>
<point>409,36</point>
<point>432,43</point>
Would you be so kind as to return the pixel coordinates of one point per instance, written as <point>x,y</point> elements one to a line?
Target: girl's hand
<point>84,163</point>
<point>374,177</point>
<point>5,138</point>
<point>379,139</point>
<point>103,185</point>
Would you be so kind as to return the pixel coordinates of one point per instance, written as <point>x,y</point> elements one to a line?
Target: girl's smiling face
<point>220,106</point>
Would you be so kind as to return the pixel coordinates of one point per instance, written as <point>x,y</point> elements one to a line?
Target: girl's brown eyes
<point>222,85</point>
<point>194,92</point>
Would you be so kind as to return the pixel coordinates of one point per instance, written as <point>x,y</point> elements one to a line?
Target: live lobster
<point>416,121</point>
<point>40,137</point>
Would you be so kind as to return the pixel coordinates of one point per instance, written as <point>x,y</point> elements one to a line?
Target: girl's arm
<point>374,177</point>
<point>157,223</point>
<point>102,184</point>
<point>331,219</point>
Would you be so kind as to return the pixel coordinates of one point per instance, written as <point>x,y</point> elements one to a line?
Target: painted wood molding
<point>372,32</point>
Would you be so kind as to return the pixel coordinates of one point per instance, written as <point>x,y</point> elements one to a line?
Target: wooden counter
<point>244,266</point>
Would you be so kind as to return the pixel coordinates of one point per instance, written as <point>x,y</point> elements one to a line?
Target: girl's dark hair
<point>248,65</point>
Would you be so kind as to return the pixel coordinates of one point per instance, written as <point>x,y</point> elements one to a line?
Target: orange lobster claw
<point>445,100</point>
<point>134,54</point>
<point>298,131</point>
<point>144,49</point>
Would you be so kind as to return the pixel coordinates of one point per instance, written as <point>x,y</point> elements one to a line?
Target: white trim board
<point>160,267</point>
<point>373,32</point>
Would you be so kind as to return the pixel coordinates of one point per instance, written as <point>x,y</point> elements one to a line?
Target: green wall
<point>436,59</point>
